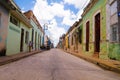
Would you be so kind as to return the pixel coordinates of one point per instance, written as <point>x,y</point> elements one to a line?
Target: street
<point>54,64</point>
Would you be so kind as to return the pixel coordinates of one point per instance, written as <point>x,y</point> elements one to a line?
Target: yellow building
<point>66,42</point>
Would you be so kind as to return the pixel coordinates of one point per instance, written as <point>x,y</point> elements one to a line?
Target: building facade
<point>97,33</point>
<point>79,34</point>
<point>36,30</point>
<point>95,40</point>
<point>17,30</point>
<point>4,16</point>
<point>113,29</point>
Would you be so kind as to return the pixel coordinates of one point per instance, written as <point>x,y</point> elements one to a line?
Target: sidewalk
<point>15,57</point>
<point>112,65</point>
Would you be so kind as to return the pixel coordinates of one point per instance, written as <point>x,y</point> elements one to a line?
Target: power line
<point>86,2</point>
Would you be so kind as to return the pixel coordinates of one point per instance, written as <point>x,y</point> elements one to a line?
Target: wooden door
<point>97,33</point>
<point>87,35</point>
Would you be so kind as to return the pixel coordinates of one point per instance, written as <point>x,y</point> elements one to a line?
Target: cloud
<point>47,13</point>
<point>55,31</point>
<point>80,4</point>
<point>70,19</point>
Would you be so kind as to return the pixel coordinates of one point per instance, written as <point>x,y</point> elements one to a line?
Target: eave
<point>21,17</point>
<point>89,6</point>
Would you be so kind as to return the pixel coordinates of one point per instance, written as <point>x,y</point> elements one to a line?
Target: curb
<point>97,62</point>
<point>102,65</point>
<point>15,58</point>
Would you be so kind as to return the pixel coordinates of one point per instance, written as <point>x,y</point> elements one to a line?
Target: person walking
<point>30,46</point>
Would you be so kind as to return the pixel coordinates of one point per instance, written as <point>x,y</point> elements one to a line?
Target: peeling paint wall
<point>114,46</point>
<point>99,7</point>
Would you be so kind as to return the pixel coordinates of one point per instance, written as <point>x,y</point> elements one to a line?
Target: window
<point>114,33</point>
<point>27,37</point>
<point>80,36</point>
<point>14,21</point>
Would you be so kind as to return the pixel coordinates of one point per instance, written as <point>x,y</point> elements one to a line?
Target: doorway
<point>22,40</point>
<point>35,40</point>
<point>97,34</point>
<point>32,38</point>
<point>87,35</point>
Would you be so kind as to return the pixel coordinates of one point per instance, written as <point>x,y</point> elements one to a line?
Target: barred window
<point>14,21</point>
<point>114,33</point>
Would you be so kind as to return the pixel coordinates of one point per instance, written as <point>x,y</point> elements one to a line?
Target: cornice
<point>89,6</point>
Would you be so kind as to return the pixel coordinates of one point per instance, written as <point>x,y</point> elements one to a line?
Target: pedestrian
<point>30,46</point>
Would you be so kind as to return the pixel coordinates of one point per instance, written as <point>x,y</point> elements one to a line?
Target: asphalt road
<point>54,65</point>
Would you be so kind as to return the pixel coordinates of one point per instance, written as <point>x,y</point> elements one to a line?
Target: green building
<point>101,29</point>
<point>36,31</point>
<point>95,42</point>
<point>17,30</point>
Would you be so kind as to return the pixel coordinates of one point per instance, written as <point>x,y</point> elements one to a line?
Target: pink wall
<point>4,16</point>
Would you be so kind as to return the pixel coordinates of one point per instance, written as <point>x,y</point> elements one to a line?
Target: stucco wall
<point>25,45</point>
<point>99,7</point>
<point>13,39</point>
<point>36,30</point>
<point>4,15</point>
<point>114,51</point>
<point>114,47</point>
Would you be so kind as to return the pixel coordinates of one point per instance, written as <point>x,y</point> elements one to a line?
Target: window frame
<point>26,37</point>
<point>14,21</point>
<point>114,34</point>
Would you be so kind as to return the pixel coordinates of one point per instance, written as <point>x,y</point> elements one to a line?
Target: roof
<point>15,11</point>
<point>30,15</point>
<point>89,6</point>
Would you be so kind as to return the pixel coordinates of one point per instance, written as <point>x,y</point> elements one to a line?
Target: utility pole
<point>45,27</point>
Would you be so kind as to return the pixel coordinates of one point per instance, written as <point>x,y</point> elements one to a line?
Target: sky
<point>58,15</point>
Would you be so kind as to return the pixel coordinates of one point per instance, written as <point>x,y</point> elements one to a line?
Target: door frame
<point>22,40</point>
<point>97,29</point>
<point>87,34</point>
